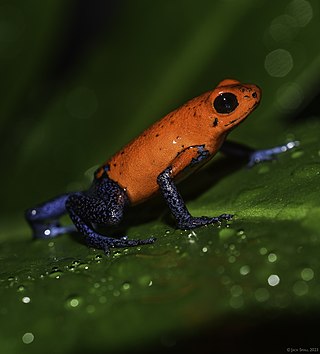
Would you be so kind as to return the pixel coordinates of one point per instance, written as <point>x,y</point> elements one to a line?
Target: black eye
<point>225,103</point>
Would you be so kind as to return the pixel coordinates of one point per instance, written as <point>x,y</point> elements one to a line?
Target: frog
<point>154,162</point>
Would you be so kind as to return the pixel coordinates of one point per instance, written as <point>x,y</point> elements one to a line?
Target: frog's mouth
<point>231,122</point>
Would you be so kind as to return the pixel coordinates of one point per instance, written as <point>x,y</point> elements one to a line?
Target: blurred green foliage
<point>78,80</point>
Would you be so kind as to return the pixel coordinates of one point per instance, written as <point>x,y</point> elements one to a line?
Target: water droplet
<point>244,270</point>
<point>145,280</point>
<point>50,244</point>
<point>232,247</point>
<point>263,251</point>
<point>192,237</point>
<point>167,232</point>
<point>116,293</point>
<point>272,257</point>
<point>28,338</point>
<point>116,254</point>
<point>307,274</point>
<point>204,249</point>
<point>232,259</point>
<point>73,265</point>
<point>21,288</point>
<point>12,280</point>
<point>73,301</point>
<point>300,288</point>
<point>84,266</point>
<point>262,294</point>
<point>71,268</point>
<point>273,280</point>
<point>126,286</point>
<point>56,273</point>
<point>278,63</point>
<point>98,258</point>
<point>26,300</point>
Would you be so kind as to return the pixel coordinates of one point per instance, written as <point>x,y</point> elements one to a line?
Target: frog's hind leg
<point>103,204</point>
<point>255,156</point>
<point>43,218</point>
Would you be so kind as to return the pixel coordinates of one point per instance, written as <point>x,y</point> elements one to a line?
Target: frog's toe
<point>51,230</point>
<point>225,217</point>
<point>105,243</point>
<point>193,222</point>
<point>126,242</point>
<point>259,156</point>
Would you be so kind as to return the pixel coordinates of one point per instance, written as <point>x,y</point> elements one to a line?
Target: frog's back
<point>137,166</point>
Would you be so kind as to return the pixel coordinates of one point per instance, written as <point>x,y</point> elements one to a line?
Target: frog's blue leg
<point>178,208</point>
<point>43,218</point>
<point>103,204</point>
<point>255,156</point>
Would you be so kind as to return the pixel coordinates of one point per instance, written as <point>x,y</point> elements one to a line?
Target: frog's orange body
<point>170,141</point>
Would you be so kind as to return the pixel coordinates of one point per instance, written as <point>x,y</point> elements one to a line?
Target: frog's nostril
<point>254,95</point>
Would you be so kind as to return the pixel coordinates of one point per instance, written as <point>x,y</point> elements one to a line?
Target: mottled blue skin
<point>105,202</point>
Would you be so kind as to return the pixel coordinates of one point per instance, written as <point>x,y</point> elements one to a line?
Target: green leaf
<point>222,285</point>
<point>265,259</point>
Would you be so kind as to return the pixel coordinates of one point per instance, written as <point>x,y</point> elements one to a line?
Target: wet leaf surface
<point>264,263</point>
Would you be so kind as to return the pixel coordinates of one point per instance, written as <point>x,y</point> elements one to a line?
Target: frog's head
<point>232,102</point>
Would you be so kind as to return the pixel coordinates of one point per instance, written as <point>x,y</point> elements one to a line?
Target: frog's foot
<point>50,230</point>
<point>96,240</point>
<point>269,154</point>
<point>193,222</point>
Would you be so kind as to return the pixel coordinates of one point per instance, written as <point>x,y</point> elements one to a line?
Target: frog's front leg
<point>255,156</point>
<point>103,204</point>
<point>188,158</point>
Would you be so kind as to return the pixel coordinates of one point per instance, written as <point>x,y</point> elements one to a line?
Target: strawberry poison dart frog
<point>173,147</point>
